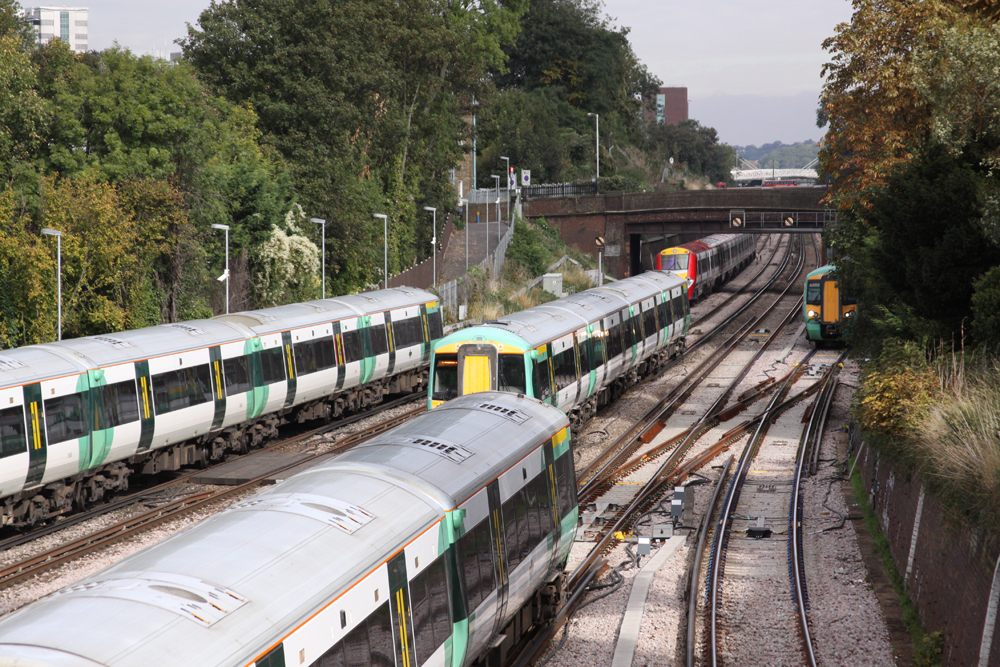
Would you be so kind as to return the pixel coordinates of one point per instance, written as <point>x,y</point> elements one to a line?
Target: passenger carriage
<point>576,353</point>
<point>709,262</point>
<point>77,416</point>
<point>429,545</point>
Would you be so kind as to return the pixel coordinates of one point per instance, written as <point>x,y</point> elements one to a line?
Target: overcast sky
<point>752,69</point>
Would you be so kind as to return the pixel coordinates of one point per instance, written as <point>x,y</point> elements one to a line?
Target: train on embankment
<point>709,262</point>
<point>78,417</point>
<point>577,353</point>
<point>428,545</point>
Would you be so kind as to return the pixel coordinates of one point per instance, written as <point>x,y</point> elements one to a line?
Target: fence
<point>559,190</point>
<point>454,291</point>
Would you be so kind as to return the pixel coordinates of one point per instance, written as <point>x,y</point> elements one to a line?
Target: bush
<point>986,308</point>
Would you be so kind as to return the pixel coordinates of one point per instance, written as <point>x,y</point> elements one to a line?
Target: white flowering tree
<point>288,263</point>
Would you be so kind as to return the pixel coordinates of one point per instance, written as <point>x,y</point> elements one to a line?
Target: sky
<point>752,69</point>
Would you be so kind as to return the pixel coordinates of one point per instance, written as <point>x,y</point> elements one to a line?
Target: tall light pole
<point>465,203</point>
<point>434,241</point>
<point>507,181</point>
<point>597,141</point>
<point>321,221</point>
<point>56,233</point>
<point>385,236</point>
<point>225,275</point>
<point>497,180</point>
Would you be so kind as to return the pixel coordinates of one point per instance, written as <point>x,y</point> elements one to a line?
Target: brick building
<point>671,106</point>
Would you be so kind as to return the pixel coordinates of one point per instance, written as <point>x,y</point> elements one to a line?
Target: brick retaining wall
<point>952,570</point>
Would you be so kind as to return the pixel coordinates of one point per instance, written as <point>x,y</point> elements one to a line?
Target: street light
<point>225,275</point>
<point>321,221</point>
<point>465,203</point>
<point>385,236</point>
<point>597,141</point>
<point>434,240</point>
<point>56,233</point>
<point>507,159</point>
<point>497,179</point>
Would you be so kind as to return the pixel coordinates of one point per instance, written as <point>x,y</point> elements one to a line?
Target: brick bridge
<point>636,226</point>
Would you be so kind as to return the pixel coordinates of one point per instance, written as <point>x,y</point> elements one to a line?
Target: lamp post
<point>385,236</point>
<point>225,275</point>
<point>465,203</point>
<point>597,141</point>
<point>56,233</point>
<point>434,240</point>
<point>321,221</point>
<point>497,181</point>
<point>507,181</point>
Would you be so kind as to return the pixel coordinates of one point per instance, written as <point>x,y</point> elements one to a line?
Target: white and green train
<point>427,546</point>
<point>577,353</point>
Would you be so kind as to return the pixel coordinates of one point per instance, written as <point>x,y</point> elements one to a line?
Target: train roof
<point>309,313</point>
<point>272,560</point>
<point>703,244</point>
<point>554,319</point>
<point>821,271</point>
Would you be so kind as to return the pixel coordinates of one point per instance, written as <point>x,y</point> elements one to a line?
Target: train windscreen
<point>512,376</point>
<point>813,291</point>
<point>674,262</point>
<point>445,377</point>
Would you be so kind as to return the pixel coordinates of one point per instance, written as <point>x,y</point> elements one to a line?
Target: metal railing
<point>559,190</point>
<point>454,291</point>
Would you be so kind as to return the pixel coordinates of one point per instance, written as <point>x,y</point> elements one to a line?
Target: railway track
<point>764,493</point>
<point>69,551</point>
<point>631,452</point>
<point>168,490</point>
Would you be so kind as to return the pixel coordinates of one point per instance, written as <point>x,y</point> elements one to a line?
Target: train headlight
<point>812,313</point>
<point>849,314</point>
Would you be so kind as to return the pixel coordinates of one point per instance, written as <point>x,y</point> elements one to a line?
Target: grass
<point>927,648</point>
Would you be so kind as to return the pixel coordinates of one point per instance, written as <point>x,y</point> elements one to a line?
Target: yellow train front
<point>825,309</point>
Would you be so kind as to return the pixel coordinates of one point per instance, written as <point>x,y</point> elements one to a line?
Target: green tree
<point>22,112</point>
<point>692,145</point>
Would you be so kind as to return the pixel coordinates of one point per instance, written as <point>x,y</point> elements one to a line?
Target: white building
<point>67,23</point>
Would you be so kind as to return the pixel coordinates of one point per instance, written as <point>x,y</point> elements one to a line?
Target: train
<point>576,353</point>
<point>78,417</point>
<point>428,545</point>
<point>709,262</point>
<point>825,309</point>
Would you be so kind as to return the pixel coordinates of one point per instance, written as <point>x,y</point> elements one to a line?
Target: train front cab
<point>470,367</point>
<point>826,309</point>
<point>682,262</point>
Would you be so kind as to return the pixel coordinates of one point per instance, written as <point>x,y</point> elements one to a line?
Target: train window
<point>469,546</point>
<point>522,521</point>
<point>12,432</point>
<point>649,322</point>
<point>64,418</point>
<point>380,343</point>
<point>353,350</point>
<point>565,484</point>
<point>315,355</point>
<point>237,371</point>
<point>512,547</point>
<point>272,365</point>
<point>598,345</point>
<point>584,348</point>
<point>663,314</point>
<point>564,368</point>
<point>379,624</point>
<point>636,322</point>
<point>431,618</point>
<point>540,379</point>
<point>407,332</point>
<point>117,405</point>
<point>435,325</point>
<point>274,658</point>
<point>676,262</point>
<point>813,291</point>
<point>512,376</point>
<point>544,497</point>
<point>628,333</point>
<point>614,341</point>
<point>445,377</point>
<point>183,388</point>
<point>534,535</point>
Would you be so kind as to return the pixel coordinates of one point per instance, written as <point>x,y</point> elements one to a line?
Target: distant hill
<point>784,156</point>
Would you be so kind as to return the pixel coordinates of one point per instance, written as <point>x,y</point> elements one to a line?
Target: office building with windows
<point>670,106</point>
<point>66,23</point>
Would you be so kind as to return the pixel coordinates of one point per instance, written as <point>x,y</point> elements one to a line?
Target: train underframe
<point>48,501</point>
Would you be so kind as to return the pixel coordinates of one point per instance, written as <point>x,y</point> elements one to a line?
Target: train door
<point>612,346</point>
<point>587,366</point>
<point>565,372</point>
<point>477,368</point>
<point>830,309</point>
